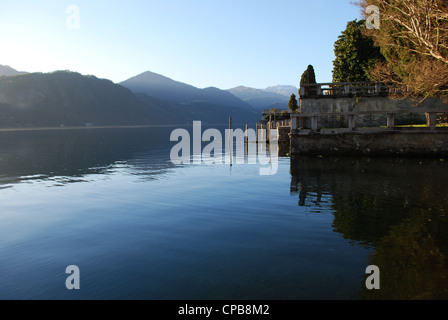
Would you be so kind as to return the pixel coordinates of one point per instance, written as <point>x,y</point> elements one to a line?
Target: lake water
<point>111,202</point>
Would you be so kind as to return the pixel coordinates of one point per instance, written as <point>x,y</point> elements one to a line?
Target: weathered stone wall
<point>336,105</point>
<point>386,143</point>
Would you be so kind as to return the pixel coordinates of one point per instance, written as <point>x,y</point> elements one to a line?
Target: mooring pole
<point>230,140</point>
<point>247,139</point>
<point>256,139</point>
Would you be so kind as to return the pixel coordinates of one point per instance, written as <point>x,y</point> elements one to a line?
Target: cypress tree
<point>293,106</point>
<point>308,76</point>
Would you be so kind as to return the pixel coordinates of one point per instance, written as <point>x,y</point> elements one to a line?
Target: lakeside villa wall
<point>381,143</point>
<point>337,98</point>
<point>362,119</point>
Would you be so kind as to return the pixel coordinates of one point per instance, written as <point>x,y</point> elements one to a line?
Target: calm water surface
<point>139,227</point>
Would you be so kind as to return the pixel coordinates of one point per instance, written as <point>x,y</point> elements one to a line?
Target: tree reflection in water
<point>395,206</point>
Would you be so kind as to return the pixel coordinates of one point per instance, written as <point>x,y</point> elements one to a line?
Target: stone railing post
<point>347,89</point>
<point>351,122</point>
<point>390,120</point>
<point>315,123</point>
<point>431,119</point>
<point>294,122</point>
<point>378,88</point>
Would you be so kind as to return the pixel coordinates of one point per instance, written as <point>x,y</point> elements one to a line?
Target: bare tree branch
<point>414,39</point>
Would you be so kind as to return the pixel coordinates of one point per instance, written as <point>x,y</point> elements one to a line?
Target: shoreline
<point>87,128</point>
<point>105,127</point>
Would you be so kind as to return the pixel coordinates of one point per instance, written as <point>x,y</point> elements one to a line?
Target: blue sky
<point>221,43</point>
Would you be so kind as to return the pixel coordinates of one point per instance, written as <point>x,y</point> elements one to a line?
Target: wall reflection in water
<point>398,207</point>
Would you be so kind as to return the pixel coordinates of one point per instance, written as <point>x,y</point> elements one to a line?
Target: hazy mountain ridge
<point>8,71</point>
<point>271,97</point>
<point>159,86</point>
<point>284,90</point>
<point>247,93</point>
<point>186,113</point>
<point>66,98</point>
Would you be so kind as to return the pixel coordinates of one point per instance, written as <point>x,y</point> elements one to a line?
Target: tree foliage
<point>414,40</point>
<point>308,76</point>
<point>293,105</point>
<point>356,54</point>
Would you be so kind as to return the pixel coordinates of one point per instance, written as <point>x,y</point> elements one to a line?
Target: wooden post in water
<point>256,139</point>
<point>268,129</point>
<point>256,132</point>
<point>247,139</point>
<point>230,140</point>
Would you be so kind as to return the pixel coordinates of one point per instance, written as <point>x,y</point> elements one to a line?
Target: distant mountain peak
<point>153,78</point>
<point>164,88</point>
<point>8,71</point>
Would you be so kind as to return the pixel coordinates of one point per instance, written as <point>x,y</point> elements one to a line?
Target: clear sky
<point>221,43</point>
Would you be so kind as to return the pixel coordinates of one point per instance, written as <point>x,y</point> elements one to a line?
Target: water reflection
<point>395,206</point>
<point>224,223</point>
<point>68,156</point>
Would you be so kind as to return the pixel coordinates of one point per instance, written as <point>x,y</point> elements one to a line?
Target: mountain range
<point>161,87</point>
<point>65,98</point>
<point>271,97</point>
<point>68,99</point>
